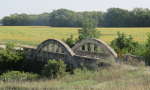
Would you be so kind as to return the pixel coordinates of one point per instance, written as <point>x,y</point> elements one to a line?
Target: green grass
<point>33,35</point>
<point>117,77</point>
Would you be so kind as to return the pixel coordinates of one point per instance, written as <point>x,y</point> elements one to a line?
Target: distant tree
<point>97,17</point>
<point>0,21</point>
<point>63,18</point>
<point>44,19</point>
<point>41,19</point>
<point>88,29</point>
<point>16,19</point>
<point>24,19</point>
<point>140,17</point>
<point>116,17</point>
<point>113,17</point>
<point>7,21</point>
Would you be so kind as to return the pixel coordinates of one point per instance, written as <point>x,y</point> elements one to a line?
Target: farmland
<point>33,35</point>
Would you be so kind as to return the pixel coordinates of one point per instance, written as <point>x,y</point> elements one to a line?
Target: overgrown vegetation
<point>117,77</point>
<point>18,76</point>
<point>88,30</point>
<point>54,69</point>
<point>147,50</point>
<point>70,41</point>
<point>10,59</point>
<point>124,44</point>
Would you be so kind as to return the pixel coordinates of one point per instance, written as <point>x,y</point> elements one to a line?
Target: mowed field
<point>33,35</point>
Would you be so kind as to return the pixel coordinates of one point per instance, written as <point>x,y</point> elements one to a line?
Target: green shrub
<point>18,76</point>
<point>124,44</point>
<point>54,69</point>
<point>70,41</point>
<point>10,59</point>
<point>140,50</point>
<point>147,51</point>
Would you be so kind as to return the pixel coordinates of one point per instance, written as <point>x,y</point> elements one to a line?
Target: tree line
<point>113,17</point>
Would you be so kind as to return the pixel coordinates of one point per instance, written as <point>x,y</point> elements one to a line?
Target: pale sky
<point>8,7</point>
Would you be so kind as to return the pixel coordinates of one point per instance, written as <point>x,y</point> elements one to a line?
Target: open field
<point>33,35</point>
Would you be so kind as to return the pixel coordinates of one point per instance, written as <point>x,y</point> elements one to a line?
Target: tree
<point>88,29</point>
<point>24,19</point>
<point>0,22</point>
<point>16,20</point>
<point>63,18</point>
<point>96,16</point>
<point>116,17</point>
<point>124,44</point>
<point>113,17</point>
<point>140,17</point>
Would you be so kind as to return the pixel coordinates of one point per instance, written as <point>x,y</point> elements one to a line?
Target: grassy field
<point>33,35</point>
<point>117,77</point>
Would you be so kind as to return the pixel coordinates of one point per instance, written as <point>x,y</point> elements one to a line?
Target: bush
<point>147,51</point>
<point>18,76</point>
<point>70,41</point>
<point>54,69</point>
<point>10,59</point>
<point>124,44</point>
<point>140,50</point>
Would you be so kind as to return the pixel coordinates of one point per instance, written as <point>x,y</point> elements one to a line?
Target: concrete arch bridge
<point>87,52</point>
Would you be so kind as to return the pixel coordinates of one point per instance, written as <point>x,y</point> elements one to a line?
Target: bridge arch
<point>56,46</point>
<point>93,48</point>
<point>53,49</point>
